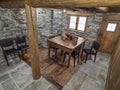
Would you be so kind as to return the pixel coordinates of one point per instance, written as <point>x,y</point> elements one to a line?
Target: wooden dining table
<point>65,45</point>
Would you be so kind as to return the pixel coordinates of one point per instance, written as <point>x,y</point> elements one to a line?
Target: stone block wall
<point>92,27</point>
<point>12,22</point>
<point>49,22</point>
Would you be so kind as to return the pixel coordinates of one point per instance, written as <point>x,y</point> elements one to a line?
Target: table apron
<point>60,47</point>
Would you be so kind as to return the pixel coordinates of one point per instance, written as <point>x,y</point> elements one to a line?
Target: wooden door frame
<point>101,31</point>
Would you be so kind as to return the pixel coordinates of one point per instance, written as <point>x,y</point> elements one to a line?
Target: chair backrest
<point>5,43</point>
<point>20,40</point>
<point>95,46</point>
<point>78,50</point>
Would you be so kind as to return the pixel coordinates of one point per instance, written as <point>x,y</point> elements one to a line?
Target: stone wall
<point>12,22</point>
<point>49,23</point>
<point>92,28</point>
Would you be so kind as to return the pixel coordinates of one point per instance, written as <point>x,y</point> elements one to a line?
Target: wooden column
<point>33,41</point>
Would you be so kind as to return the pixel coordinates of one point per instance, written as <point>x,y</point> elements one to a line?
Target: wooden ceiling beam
<point>12,3</point>
<point>79,14</point>
<point>71,3</point>
<point>58,3</point>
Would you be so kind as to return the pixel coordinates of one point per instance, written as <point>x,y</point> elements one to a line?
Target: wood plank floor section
<point>55,71</point>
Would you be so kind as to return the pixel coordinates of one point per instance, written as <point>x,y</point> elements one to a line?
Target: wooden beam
<point>79,14</point>
<point>12,3</point>
<point>58,3</point>
<point>33,41</point>
<point>71,3</point>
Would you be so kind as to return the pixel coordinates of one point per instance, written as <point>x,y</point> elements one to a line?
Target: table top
<point>67,43</point>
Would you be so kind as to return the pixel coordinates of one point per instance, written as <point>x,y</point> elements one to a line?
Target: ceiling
<point>75,5</point>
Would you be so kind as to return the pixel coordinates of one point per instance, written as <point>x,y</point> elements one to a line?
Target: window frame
<point>77,22</point>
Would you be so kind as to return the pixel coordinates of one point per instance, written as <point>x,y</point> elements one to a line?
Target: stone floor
<point>18,76</point>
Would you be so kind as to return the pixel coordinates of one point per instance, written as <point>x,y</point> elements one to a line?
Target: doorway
<point>109,33</point>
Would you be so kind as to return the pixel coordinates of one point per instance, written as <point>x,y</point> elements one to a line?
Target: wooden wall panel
<point>113,78</point>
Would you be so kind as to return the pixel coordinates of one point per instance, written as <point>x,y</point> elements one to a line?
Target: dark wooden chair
<point>8,48</point>
<point>75,54</point>
<point>92,51</point>
<point>54,50</point>
<point>21,44</point>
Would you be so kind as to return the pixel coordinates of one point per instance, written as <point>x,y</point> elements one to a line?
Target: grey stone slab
<point>41,84</point>
<point>51,87</point>
<point>4,77</point>
<point>92,83</point>
<point>102,77</point>
<point>9,85</point>
<point>103,60</point>
<point>76,81</point>
<point>14,62</point>
<point>90,68</point>
<point>22,76</point>
<point>1,87</point>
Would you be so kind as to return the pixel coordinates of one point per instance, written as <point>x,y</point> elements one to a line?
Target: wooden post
<point>33,41</point>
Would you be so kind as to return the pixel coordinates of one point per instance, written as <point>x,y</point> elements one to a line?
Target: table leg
<point>48,51</point>
<point>62,52</point>
<point>69,59</point>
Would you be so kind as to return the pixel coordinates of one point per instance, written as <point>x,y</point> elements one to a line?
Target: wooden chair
<point>92,51</point>
<point>54,50</point>
<point>21,44</point>
<point>74,54</point>
<point>8,48</point>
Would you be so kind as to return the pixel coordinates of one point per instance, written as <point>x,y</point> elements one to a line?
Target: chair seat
<point>11,51</point>
<point>53,47</point>
<point>92,51</point>
<point>88,51</point>
<point>73,53</point>
<point>23,47</point>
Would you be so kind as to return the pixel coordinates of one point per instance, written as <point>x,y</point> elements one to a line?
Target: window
<point>111,27</point>
<point>78,23</point>
<point>73,20</point>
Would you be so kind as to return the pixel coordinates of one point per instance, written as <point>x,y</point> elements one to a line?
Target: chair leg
<point>64,58</point>
<point>61,52</point>
<point>95,58</point>
<point>81,54</point>
<point>86,58</point>
<point>6,60</point>
<point>78,58</point>
<point>14,55</point>
<point>19,56</point>
<point>74,61</point>
<point>25,50</point>
<point>55,53</point>
<point>90,57</point>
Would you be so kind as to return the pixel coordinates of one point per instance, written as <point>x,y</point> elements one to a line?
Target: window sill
<point>74,30</point>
